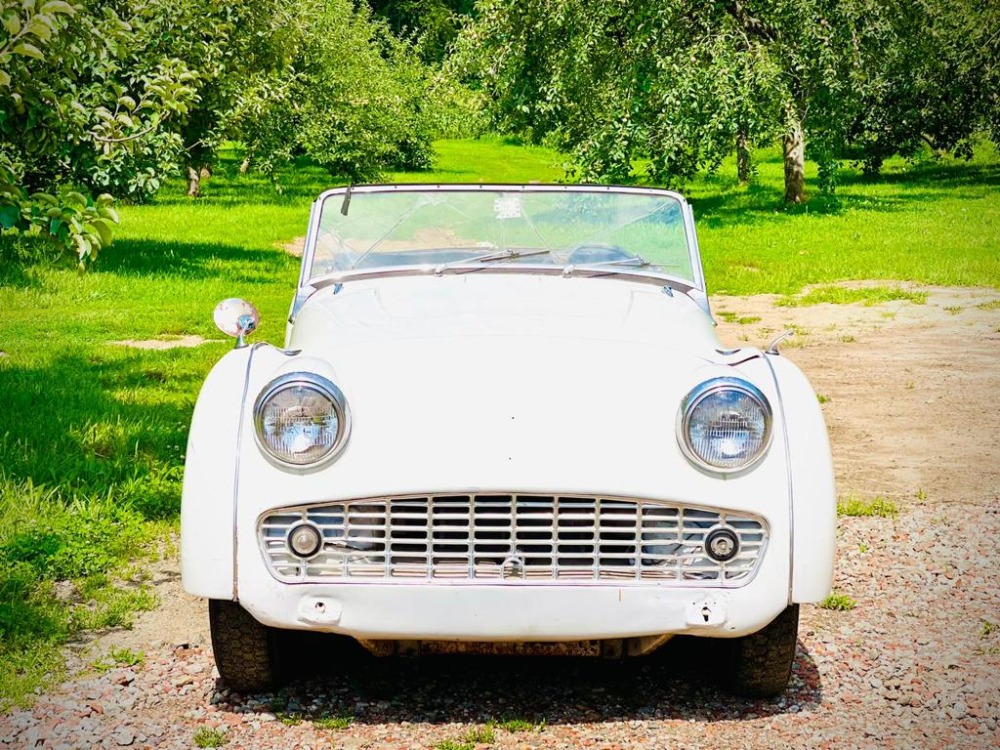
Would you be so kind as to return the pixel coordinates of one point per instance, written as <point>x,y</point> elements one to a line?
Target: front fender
<point>210,471</point>
<point>811,481</point>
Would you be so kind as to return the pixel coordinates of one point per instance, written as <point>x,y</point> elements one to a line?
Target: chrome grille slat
<point>515,538</point>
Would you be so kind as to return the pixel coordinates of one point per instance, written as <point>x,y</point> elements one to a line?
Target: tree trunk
<point>194,181</point>
<point>793,142</point>
<point>742,158</point>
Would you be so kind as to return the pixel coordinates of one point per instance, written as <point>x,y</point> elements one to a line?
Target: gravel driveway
<point>908,392</point>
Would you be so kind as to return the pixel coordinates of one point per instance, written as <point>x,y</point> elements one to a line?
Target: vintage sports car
<point>502,419</point>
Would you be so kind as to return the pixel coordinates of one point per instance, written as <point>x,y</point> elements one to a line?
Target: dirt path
<point>908,394</point>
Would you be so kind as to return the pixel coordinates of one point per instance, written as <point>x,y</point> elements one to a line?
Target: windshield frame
<point>309,283</point>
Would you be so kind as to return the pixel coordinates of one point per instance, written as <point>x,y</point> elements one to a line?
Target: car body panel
<point>509,383</point>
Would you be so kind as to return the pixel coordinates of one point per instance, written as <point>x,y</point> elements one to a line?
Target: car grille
<point>512,538</point>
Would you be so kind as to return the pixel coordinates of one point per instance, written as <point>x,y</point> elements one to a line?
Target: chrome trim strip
<point>236,467</point>
<point>788,473</point>
<point>700,294</point>
<point>616,272</point>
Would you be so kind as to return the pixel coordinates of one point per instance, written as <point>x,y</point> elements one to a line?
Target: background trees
<point>107,97</point>
<point>678,83</point>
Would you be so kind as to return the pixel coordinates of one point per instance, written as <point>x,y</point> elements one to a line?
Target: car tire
<point>245,650</point>
<point>760,664</point>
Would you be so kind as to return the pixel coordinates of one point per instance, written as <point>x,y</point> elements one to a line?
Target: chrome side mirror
<point>236,317</point>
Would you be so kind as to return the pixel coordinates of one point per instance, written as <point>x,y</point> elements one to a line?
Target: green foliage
<point>838,602</point>
<point>484,735</point>
<point>81,112</point>
<point>730,317</point>
<point>119,657</point>
<point>355,98</point>
<point>675,83</point>
<point>210,737</point>
<point>333,722</point>
<point>520,725</point>
<point>433,23</point>
<point>934,83</point>
<point>856,506</point>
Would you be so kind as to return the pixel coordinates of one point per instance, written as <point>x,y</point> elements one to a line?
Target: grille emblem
<point>513,567</point>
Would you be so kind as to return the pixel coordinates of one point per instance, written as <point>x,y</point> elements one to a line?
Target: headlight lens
<point>301,419</point>
<point>724,424</point>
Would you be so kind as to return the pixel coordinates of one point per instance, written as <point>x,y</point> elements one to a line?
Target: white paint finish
<point>490,305</point>
<point>515,613</point>
<point>209,474</point>
<point>815,497</point>
<point>506,383</point>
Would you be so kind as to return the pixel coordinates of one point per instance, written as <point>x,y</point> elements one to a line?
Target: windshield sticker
<point>507,207</point>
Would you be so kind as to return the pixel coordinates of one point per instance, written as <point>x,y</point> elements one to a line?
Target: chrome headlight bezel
<point>326,388</point>
<point>708,389</point>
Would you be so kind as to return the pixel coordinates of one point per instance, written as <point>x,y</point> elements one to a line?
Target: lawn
<point>92,433</point>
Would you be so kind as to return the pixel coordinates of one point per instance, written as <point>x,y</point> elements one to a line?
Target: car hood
<point>535,382</point>
<point>460,307</point>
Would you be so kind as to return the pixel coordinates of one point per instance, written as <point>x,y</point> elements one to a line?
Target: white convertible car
<point>502,420</point>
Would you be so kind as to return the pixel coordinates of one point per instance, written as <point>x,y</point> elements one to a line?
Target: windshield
<point>444,227</point>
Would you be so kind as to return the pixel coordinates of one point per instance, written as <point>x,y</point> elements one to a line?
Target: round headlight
<point>301,419</point>
<point>724,424</point>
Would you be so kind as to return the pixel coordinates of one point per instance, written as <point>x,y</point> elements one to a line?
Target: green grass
<point>856,506</point>
<point>731,317</point>
<point>520,725</point>
<point>484,735</point>
<point>333,722</point>
<point>210,737</point>
<point>838,602</point>
<point>936,221</point>
<point>838,295</point>
<point>119,657</point>
<point>92,435</point>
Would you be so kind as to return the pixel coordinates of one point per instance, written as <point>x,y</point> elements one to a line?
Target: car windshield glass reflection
<point>376,229</point>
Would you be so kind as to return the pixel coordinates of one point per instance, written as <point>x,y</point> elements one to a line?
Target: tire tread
<point>761,663</point>
<point>244,648</point>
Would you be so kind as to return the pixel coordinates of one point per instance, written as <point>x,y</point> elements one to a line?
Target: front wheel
<point>760,664</point>
<point>244,648</point>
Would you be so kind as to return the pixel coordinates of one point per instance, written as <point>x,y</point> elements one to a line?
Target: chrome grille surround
<point>488,538</point>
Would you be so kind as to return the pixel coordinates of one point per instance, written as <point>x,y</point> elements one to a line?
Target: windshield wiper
<point>498,256</point>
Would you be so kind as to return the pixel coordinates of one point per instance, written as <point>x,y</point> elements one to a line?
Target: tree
<point>80,114</point>
<point>434,23</point>
<point>679,82</point>
<point>937,82</point>
<point>351,96</point>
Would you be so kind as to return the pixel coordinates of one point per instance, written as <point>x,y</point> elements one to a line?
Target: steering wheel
<point>595,252</point>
